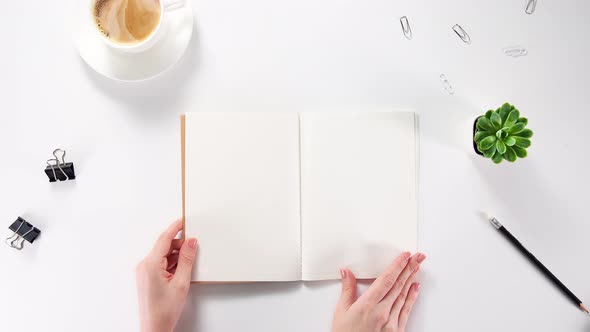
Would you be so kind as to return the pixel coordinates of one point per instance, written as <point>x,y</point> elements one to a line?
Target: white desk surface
<point>277,55</point>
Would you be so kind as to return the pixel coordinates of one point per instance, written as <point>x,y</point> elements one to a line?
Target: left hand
<point>163,280</point>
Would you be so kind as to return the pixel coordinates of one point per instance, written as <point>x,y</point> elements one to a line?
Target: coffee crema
<point>127,21</point>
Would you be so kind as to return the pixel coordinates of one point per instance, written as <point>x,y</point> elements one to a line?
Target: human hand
<point>386,305</point>
<point>163,280</point>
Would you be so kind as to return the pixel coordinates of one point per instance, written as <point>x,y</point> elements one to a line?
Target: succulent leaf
<point>512,118</point>
<point>523,120</point>
<point>500,147</point>
<point>504,111</point>
<point>497,158</point>
<point>506,107</point>
<point>520,152</point>
<point>522,142</point>
<point>517,128</point>
<point>510,155</point>
<point>510,141</point>
<point>496,121</point>
<point>481,135</point>
<point>487,143</point>
<point>489,153</point>
<point>527,133</point>
<point>484,124</point>
<point>489,114</point>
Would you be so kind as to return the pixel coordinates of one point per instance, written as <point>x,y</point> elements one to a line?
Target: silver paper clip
<point>462,34</point>
<point>447,85</point>
<point>406,29</point>
<point>531,5</point>
<point>515,51</point>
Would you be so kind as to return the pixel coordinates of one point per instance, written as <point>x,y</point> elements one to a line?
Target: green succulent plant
<point>502,134</point>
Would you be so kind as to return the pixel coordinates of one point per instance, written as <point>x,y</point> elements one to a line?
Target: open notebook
<point>297,196</point>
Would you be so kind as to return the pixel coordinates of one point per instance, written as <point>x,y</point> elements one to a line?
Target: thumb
<point>348,296</point>
<point>186,259</point>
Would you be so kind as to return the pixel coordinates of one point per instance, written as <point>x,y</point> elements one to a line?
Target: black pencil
<point>538,264</point>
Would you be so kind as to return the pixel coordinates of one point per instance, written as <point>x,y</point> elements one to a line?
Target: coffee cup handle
<point>170,5</point>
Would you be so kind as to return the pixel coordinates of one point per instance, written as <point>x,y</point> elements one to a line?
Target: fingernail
<point>408,255</point>
<point>421,257</point>
<point>192,243</point>
<point>418,286</point>
<point>343,273</point>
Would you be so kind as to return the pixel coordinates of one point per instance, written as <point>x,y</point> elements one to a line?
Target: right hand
<point>386,305</point>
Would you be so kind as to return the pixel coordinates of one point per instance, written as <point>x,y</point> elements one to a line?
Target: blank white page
<point>242,195</point>
<point>358,191</point>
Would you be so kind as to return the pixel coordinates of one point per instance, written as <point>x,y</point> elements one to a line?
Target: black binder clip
<point>65,171</point>
<point>22,231</point>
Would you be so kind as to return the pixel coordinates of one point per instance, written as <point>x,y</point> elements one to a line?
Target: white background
<point>291,55</point>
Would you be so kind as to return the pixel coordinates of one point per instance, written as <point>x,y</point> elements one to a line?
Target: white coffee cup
<point>152,39</point>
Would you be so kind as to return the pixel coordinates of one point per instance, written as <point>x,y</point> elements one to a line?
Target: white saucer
<point>132,67</point>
